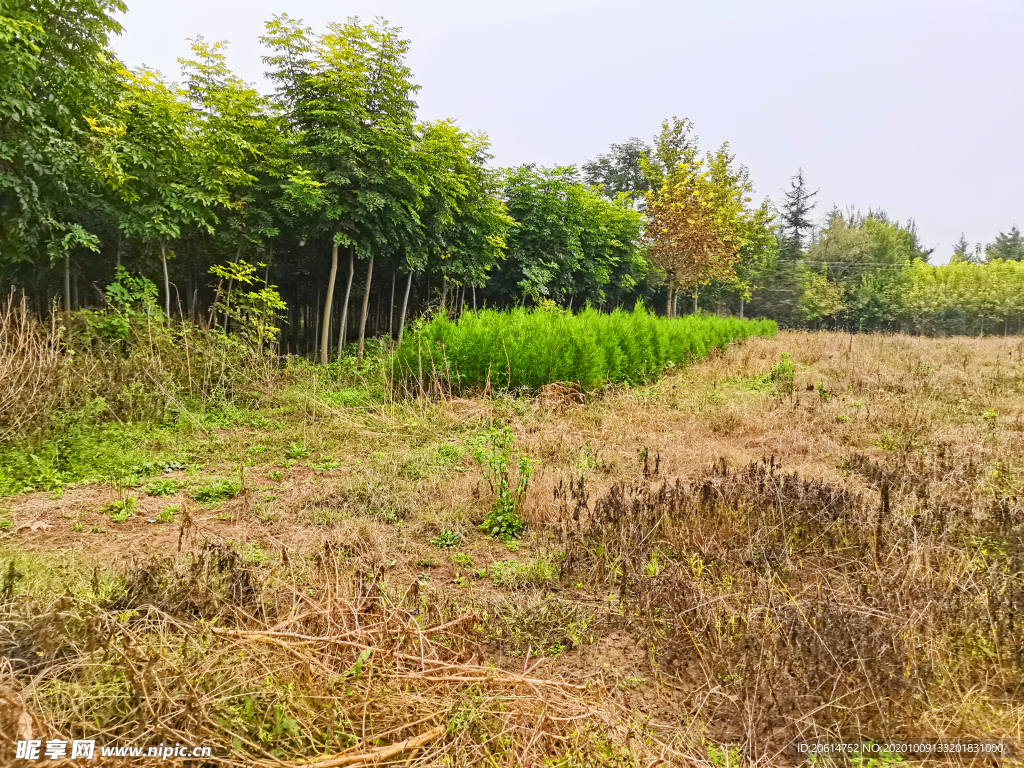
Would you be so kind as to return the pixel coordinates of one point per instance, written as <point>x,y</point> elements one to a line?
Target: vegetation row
<point>528,349</point>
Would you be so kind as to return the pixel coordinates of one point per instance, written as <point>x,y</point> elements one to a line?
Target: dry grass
<point>710,561</point>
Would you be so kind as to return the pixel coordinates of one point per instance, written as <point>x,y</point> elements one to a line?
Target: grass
<point>769,562</point>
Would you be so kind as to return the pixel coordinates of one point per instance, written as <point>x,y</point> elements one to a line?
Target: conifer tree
<point>795,217</point>
<point>1008,247</point>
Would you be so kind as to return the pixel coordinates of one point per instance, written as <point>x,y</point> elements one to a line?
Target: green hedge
<point>529,349</point>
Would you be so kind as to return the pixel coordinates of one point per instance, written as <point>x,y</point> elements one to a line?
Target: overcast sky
<point>913,107</point>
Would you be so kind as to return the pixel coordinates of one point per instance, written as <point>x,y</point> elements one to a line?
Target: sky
<point>913,107</point>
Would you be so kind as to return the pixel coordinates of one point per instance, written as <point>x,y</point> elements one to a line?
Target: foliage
<point>568,243</point>
<point>255,313</point>
<point>1008,246</point>
<point>508,474</point>
<point>619,171</point>
<point>55,65</point>
<point>795,223</point>
<point>964,297</point>
<point>121,509</point>
<point>854,271</point>
<point>511,350</point>
<point>162,488</point>
<point>445,540</point>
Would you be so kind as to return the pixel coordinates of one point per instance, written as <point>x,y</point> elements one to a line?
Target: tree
<point>618,171</point>
<point>55,61</point>
<point>685,243</point>
<point>795,223</point>
<point>348,94</point>
<point>675,146</point>
<point>1008,247</point>
<point>569,244</point>
<point>865,255</point>
<point>464,221</point>
<point>163,165</point>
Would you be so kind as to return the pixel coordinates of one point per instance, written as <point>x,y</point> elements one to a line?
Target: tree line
<point>354,215</point>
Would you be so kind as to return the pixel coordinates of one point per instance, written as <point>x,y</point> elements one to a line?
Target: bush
<point>528,349</point>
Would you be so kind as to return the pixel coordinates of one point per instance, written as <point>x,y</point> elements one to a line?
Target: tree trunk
<point>668,304</point>
<point>316,323</point>
<point>741,309</point>
<point>343,325</point>
<point>444,294</point>
<point>325,337</point>
<point>695,303</point>
<point>167,280</point>
<point>67,283</point>
<point>231,283</point>
<point>366,307</point>
<point>405,304</point>
<point>474,297</point>
<point>391,306</point>
<point>75,299</point>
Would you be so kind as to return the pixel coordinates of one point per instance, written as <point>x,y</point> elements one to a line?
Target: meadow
<point>792,535</point>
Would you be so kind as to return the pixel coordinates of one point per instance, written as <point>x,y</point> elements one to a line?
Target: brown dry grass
<point>709,561</point>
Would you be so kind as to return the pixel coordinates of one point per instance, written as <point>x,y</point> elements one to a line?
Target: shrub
<point>522,348</point>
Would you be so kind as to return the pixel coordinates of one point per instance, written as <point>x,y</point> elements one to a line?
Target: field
<point>809,535</point>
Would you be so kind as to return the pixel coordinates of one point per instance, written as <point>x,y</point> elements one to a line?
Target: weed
<point>823,392</point>
<point>513,574</point>
<point>216,492</point>
<point>121,509</point>
<point>446,539</point>
<point>462,560</point>
<point>166,515</point>
<point>724,756</point>
<point>508,475</point>
<point>253,553</point>
<point>275,475</point>
<point>296,451</point>
<point>781,375</point>
<point>162,488</point>
<point>266,513</point>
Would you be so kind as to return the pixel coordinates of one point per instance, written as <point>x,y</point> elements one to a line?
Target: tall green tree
<point>569,244</point>
<point>618,171</point>
<point>348,94</point>
<point>167,164</point>
<point>464,220</point>
<point>55,62</point>
<point>861,258</point>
